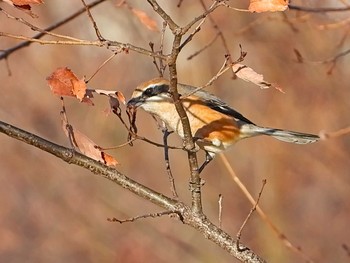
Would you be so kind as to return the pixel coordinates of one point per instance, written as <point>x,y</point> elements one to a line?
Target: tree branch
<point>7,52</point>
<point>189,217</point>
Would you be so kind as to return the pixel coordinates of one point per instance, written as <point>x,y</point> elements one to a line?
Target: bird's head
<point>150,95</point>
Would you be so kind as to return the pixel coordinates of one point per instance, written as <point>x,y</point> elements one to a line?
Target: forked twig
<point>262,214</point>
<point>225,67</point>
<point>97,31</point>
<point>239,234</point>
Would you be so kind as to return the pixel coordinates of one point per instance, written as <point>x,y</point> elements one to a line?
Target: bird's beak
<point>135,102</point>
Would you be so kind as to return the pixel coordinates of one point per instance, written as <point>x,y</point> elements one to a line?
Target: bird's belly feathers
<point>213,132</point>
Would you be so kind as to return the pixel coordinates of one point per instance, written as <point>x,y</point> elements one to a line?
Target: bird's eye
<point>148,92</point>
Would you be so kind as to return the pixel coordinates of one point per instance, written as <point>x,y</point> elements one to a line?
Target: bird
<point>215,126</point>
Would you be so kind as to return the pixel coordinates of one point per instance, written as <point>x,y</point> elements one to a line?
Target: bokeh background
<point>51,211</point>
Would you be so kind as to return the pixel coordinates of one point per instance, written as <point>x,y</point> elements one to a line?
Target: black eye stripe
<point>156,90</point>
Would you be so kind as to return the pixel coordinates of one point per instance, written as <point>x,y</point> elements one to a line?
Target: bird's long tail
<point>249,130</point>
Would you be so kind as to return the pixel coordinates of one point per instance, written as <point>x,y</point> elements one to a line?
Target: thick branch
<point>195,220</point>
<point>72,157</point>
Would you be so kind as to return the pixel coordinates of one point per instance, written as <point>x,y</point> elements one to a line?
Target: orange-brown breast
<point>209,124</point>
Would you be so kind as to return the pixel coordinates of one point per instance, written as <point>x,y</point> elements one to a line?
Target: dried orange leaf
<point>268,5</point>
<point>60,82</point>
<point>249,75</point>
<point>64,82</point>
<point>109,160</point>
<point>79,88</point>
<point>85,145</point>
<point>114,96</point>
<point>145,19</point>
<point>120,97</point>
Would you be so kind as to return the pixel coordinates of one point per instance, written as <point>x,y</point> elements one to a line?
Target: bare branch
<point>189,145</point>
<point>219,32</point>
<point>97,31</point>
<point>133,219</point>
<point>35,28</point>
<point>262,214</point>
<point>191,218</point>
<point>9,51</point>
<point>156,7</point>
<point>204,47</point>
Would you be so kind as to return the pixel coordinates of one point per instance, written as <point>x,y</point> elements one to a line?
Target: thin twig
<point>133,219</point>
<point>262,214</point>
<point>239,234</point>
<point>198,28</point>
<point>220,210</point>
<point>157,8</point>
<point>119,47</point>
<point>64,21</point>
<point>207,13</point>
<point>166,134</point>
<point>162,66</point>
<point>52,42</point>
<point>132,132</point>
<point>118,146</point>
<point>68,127</point>
<point>35,28</point>
<point>101,66</point>
<point>221,35</point>
<point>151,44</point>
<point>204,47</point>
<point>97,31</point>
<point>225,67</point>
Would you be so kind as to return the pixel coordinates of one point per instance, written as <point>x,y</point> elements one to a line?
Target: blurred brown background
<point>54,212</point>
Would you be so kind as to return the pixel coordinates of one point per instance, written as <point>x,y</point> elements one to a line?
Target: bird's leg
<point>208,159</point>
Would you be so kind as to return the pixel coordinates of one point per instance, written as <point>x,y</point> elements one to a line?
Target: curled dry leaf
<point>249,75</point>
<point>84,144</point>
<point>64,82</point>
<point>259,6</point>
<point>115,98</point>
<point>131,112</point>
